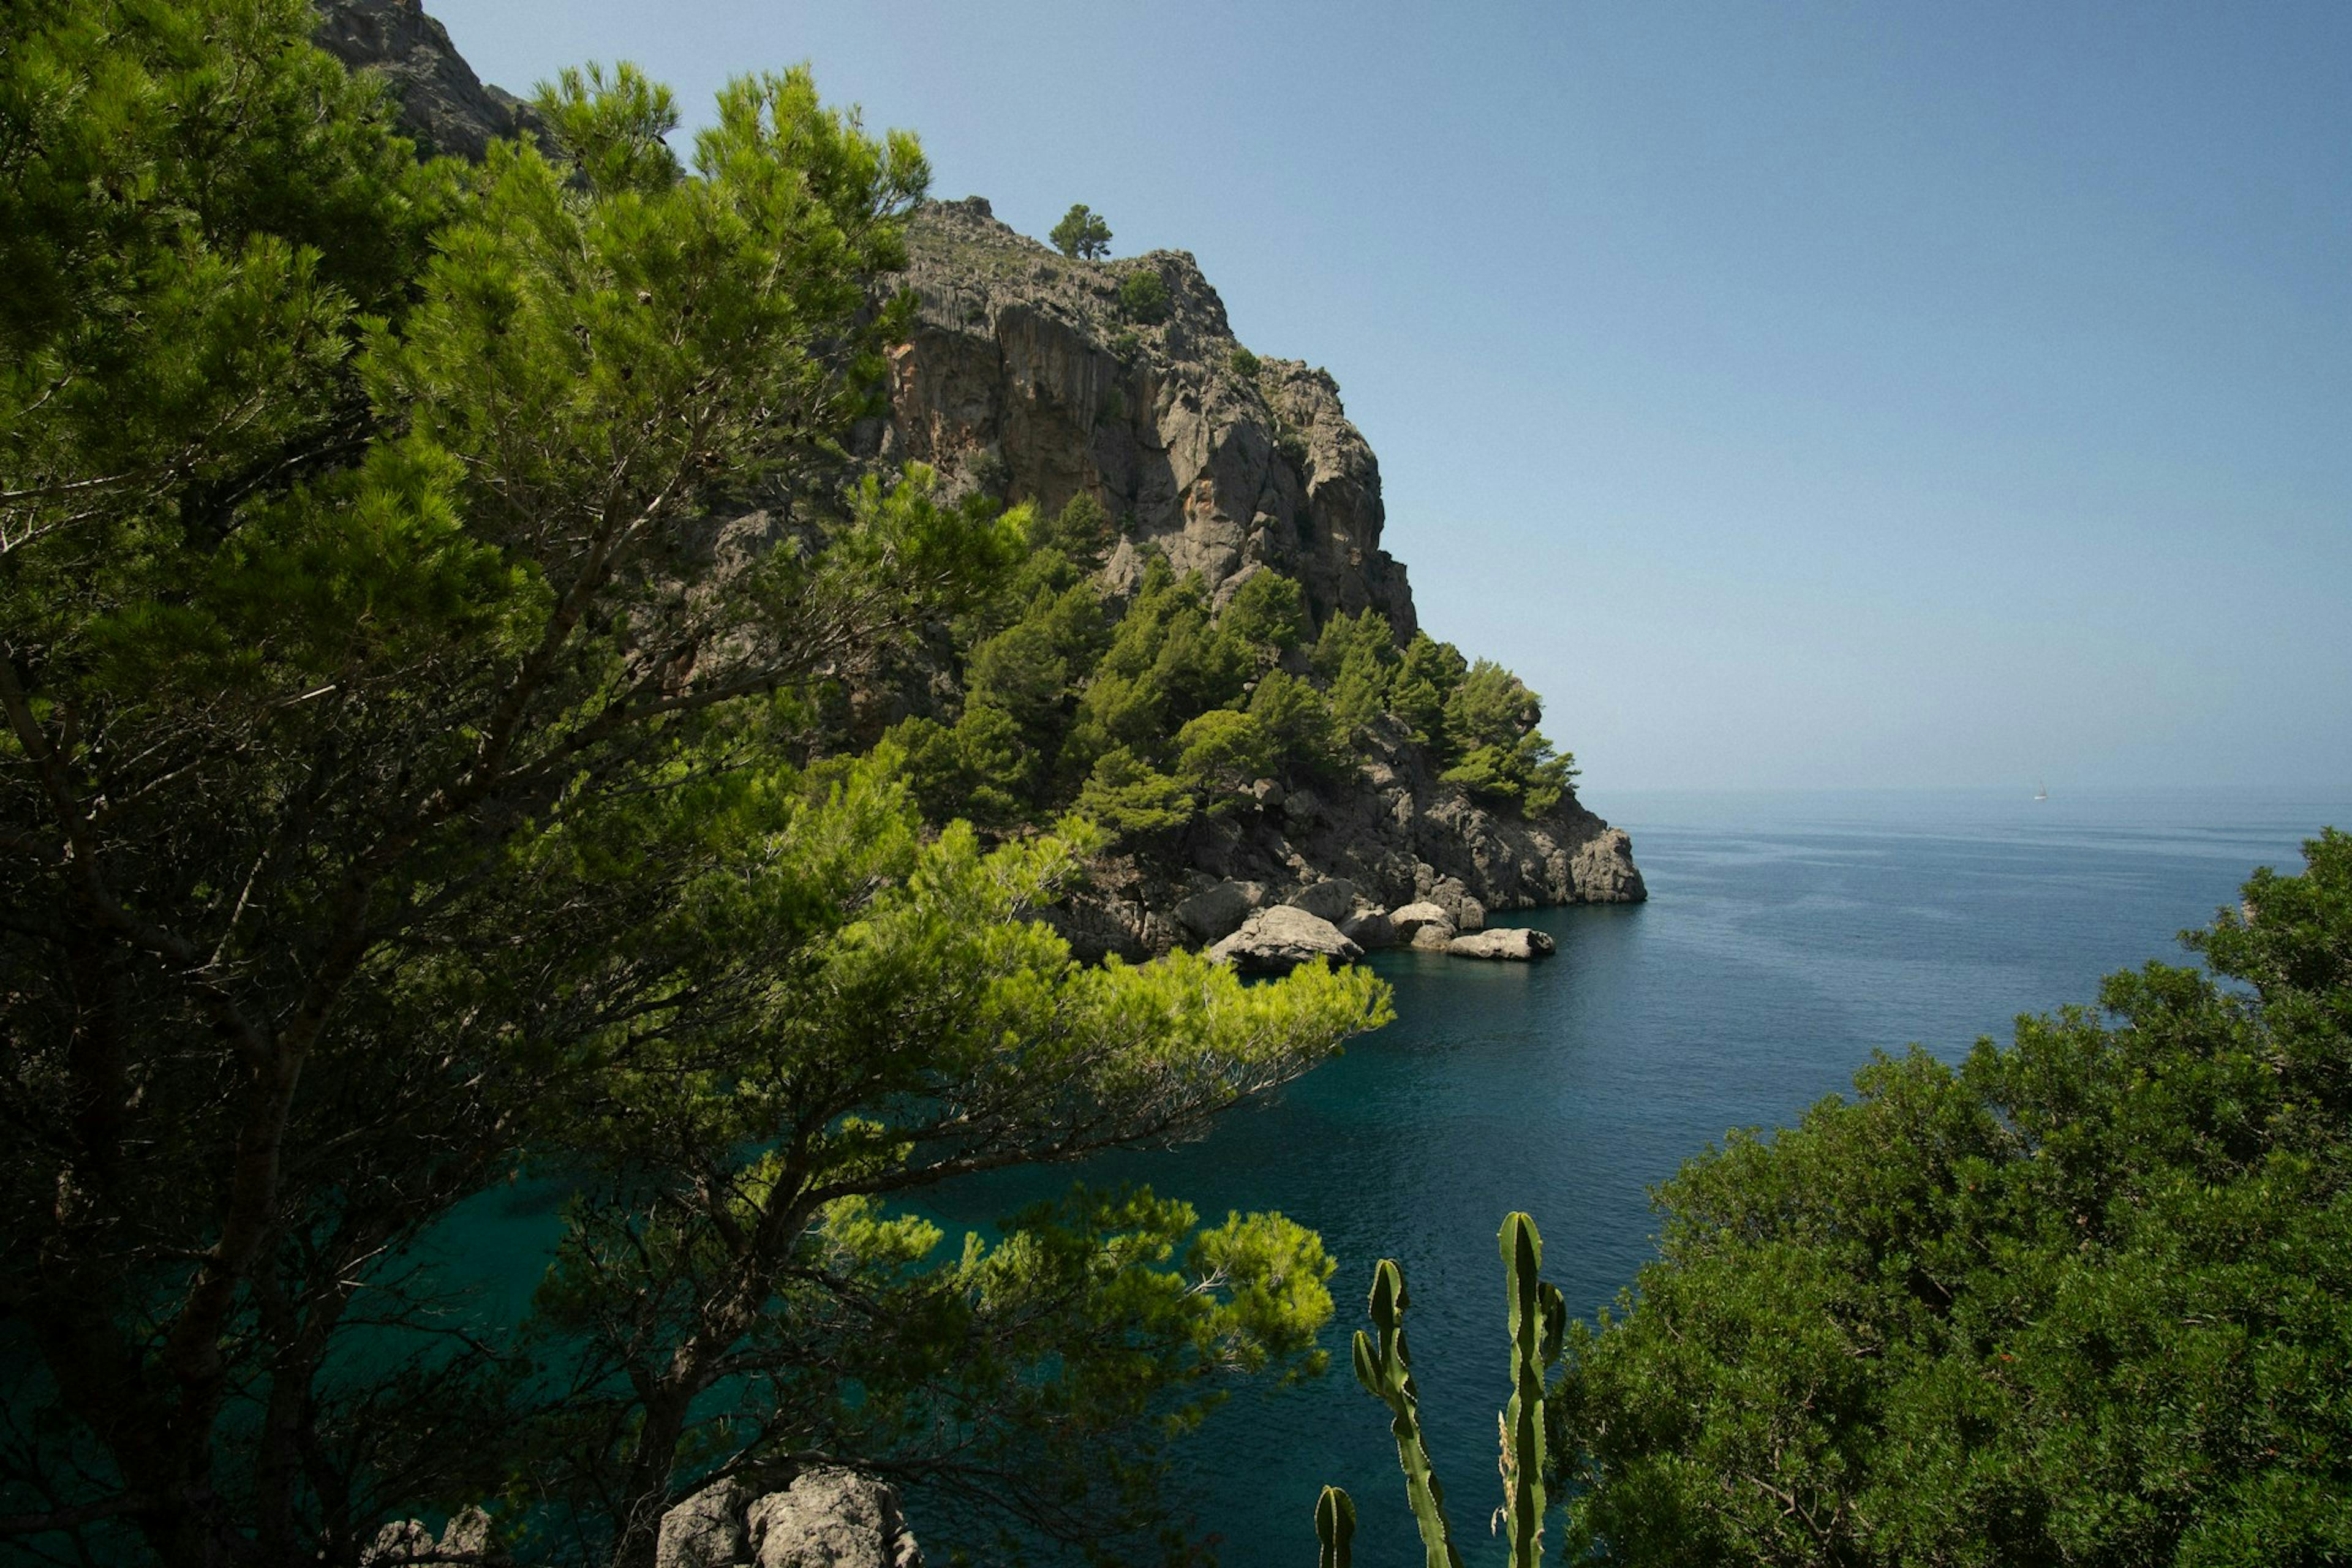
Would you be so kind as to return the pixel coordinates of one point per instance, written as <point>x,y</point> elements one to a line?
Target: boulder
<point>1368,929</point>
<point>1432,938</point>
<point>706,1531</point>
<point>1329,900</point>
<point>827,1518</point>
<point>467,1538</point>
<point>1521,942</point>
<point>1461,906</point>
<point>831,1518</point>
<point>1220,910</point>
<point>1277,940</point>
<point>1405,922</point>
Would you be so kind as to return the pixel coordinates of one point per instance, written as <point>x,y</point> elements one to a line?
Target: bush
<point>1132,799</point>
<point>1142,297</point>
<point>2085,1299</point>
<point>1220,754</point>
<point>1245,363</point>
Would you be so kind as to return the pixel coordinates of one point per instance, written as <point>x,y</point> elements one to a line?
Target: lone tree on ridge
<point>1082,233</point>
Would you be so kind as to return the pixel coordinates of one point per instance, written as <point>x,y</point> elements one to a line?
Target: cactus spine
<point>1538,1321</point>
<point>1385,1369</point>
<point>1538,1315</point>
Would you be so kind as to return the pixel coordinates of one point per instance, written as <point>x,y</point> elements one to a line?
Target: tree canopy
<point>1082,233</point>
<point>421,588</point>
<point>2085,1299</point>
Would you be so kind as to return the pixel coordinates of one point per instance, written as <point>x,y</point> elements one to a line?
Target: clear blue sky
<point>1904,394</point>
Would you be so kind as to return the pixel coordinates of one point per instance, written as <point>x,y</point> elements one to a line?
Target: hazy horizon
<point>1821,396</point>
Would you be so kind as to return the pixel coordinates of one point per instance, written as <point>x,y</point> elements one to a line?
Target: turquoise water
<point>1787,936</point>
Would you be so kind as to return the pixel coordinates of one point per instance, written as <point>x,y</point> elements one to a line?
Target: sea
<point>1787,937</point>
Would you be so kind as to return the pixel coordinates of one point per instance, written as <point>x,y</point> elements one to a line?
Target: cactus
<point>1539,1324</point>
<point>1538,1316</point>
<point>1385,1369</point>
<point>1335,1527</point>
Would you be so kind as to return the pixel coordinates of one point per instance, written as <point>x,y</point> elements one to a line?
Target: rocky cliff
<point>442,103</point>
<point>1029,374</point>
<point>1025,375</point>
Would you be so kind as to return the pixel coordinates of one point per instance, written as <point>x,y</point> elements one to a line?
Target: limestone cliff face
<point>1025,376</point>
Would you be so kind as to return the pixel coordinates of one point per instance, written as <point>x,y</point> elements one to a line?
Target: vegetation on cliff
<point>1149,713</point>
<point>422,587</point>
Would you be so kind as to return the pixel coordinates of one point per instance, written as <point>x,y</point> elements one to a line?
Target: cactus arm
<point>1385,1369</point>
<point>1538,1319</point>
<point>1335,1527</point>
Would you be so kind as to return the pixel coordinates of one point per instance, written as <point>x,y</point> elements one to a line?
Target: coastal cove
<point>1788,935</point>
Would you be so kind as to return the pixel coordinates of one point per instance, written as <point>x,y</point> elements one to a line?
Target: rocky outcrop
<point>467,1538</point>
<point>1333,900</point>
<point>439,101</point>
<point>1024,376</point>
<point>1368,929</point>
<point>827,1518</point>
<point>1277,940</point>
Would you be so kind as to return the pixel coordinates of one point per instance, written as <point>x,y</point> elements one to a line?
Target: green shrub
<point>2083,1298</point>
<point>1298,726</point>
<point>1245,363</point>
<point>1142,297</point>
<point>1131,799</point>
<point>1221,753</point>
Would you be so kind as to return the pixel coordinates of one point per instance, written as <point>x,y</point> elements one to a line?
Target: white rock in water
<point>1520,942</point>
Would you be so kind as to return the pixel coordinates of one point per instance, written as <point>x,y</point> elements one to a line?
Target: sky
<point>1805,394</point>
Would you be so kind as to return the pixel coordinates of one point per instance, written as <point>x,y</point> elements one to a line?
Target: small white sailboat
<point>2040,790</point>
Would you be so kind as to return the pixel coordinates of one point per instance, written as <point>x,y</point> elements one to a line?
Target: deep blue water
<point>1787,936</point>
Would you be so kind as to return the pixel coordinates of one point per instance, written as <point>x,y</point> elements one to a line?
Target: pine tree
<point>403,785</point>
